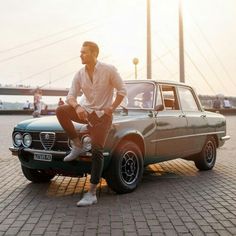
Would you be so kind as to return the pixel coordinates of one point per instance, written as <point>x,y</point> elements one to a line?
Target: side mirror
<point>159,107</point>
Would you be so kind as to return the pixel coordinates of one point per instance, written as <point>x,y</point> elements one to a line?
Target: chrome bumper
<point>224,138</point>
<point>15,151</point>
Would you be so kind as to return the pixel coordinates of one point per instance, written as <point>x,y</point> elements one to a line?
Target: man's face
<point>86,55</point>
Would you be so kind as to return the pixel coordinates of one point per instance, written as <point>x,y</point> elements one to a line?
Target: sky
<point>41,41</point>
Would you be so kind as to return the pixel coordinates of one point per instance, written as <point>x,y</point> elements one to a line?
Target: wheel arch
<point>206,159</point>
<point>134,136</point>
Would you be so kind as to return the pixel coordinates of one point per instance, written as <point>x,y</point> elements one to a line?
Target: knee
<point>61,110</point>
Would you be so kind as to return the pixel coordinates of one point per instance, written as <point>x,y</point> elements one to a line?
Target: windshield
<point>139,95</point>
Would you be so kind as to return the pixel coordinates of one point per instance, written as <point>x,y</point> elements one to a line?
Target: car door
<point>171,125</point>
<point>196,118</point>
<point>141,118</point>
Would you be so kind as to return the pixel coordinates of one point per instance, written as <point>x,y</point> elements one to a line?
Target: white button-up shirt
<point>98,94</point>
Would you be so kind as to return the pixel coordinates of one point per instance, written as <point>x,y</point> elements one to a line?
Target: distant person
<point>26,105</point>
<point>217,103</point>
<point>147,100</point>
<point>1,105</point>
<point>60,102</point>
<point>37,103</point>
<point>45,109</point>
<point>226,103</point>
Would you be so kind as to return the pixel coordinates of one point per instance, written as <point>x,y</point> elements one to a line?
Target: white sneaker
<point>87,200</point>
<point>75,152</point>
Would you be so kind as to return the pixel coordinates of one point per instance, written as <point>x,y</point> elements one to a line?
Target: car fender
<point>129,134</point>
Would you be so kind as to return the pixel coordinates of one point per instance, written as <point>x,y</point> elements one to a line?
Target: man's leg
<point>99,133</point>
<point>65,115</point>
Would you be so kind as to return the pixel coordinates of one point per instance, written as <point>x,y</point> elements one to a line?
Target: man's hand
<point>109,110</point>
<point>81,113</point>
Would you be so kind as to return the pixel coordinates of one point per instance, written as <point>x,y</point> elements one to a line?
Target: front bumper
<point>78,167</point>
<point>224,138</point>
<point>15,151</point>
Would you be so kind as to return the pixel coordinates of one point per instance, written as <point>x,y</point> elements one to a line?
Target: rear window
<point>187,99</point>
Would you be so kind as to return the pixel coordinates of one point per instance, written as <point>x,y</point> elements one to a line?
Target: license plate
<point>42,157</point>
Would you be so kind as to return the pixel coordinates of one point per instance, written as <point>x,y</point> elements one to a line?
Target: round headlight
<point>17,139</point>
<point>87,142</point>
<point>27,140</point>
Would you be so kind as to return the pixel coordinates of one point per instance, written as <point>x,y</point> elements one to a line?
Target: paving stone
<point>23,233</point>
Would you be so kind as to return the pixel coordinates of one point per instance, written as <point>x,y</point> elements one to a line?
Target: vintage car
<point>158,121</point>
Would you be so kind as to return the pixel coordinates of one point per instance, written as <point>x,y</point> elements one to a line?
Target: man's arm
<point>74,91</point>
<point>71,98</point>
<point>72,101</point>
<point>115,104</point>
<point>121,92</point>
<point>80,111</point>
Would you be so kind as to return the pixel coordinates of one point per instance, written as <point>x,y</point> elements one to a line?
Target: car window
<point>140,95</point>
<point>187,100</point>
<point>170,97</point>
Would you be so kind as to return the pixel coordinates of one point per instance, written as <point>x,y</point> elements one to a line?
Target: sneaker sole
<point>86,204</point>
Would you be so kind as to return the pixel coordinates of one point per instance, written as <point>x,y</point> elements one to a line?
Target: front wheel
<point>206,159</point>
<point>126,168</point>
<point>36,176</point>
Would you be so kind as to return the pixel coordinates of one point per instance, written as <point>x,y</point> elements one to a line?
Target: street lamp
<point>135,62</point>
<point>181,45</point>
<point>149,50</point>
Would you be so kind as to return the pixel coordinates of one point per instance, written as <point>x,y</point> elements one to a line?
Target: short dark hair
<point>93,46</point>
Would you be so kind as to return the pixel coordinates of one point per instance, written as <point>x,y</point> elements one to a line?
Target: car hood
<point>50,123</point>
<point>38,124</point>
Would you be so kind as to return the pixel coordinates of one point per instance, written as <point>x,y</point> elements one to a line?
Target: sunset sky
<point>41,40</point>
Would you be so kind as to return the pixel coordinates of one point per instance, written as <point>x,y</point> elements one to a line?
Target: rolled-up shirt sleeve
<point>75,89</point>
<point>118,83</point>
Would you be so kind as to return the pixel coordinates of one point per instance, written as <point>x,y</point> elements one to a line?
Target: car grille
<point>47,139</point>
<point>60,142</point>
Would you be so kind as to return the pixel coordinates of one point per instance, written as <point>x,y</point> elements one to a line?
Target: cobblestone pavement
<point>174,198</point>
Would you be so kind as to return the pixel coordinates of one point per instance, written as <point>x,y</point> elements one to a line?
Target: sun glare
<point>119,27</point>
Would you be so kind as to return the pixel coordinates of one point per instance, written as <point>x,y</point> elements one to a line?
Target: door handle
<point>182,115</point>
<point>203,116</point>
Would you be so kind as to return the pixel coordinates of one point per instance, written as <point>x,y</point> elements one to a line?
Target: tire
<point>206,159</point>
<point>36,176</point>
<point>126,168</point>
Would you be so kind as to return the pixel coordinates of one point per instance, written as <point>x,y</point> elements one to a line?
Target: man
<point>97,82</point>
<point>217,103</point>
<point>226,103</point>
<point>37,103</point>
<point>26,105</point>
<point>147,100</point>
<point>60,102</point>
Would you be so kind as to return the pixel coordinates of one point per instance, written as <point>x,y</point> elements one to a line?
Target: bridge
<point>30,91</point>
<point>64,92</point>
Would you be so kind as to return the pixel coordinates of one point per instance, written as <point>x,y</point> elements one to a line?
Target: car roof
<point>158,82</point>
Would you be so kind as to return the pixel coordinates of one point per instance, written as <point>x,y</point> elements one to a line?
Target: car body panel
<point>171,128</point>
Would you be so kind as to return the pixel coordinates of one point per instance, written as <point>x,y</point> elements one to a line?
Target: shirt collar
<point>98,64</point>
